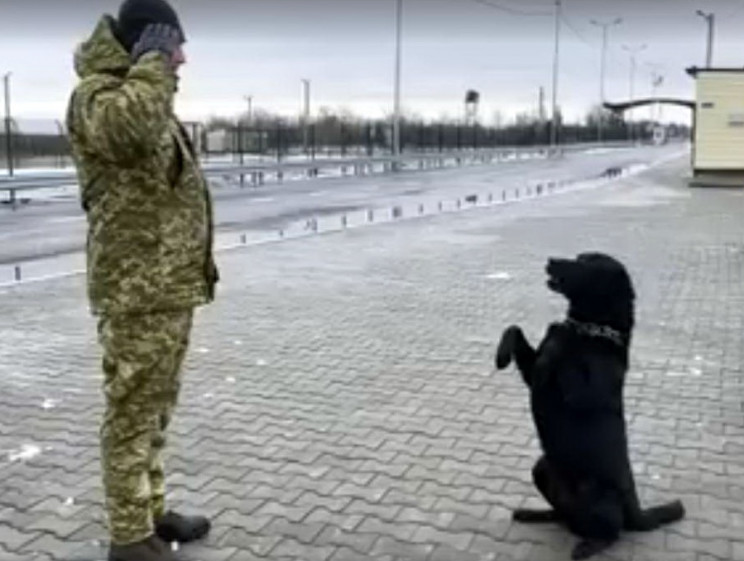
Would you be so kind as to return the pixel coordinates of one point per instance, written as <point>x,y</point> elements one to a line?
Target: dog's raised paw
<point>503,359</point>
<point>505,350</point>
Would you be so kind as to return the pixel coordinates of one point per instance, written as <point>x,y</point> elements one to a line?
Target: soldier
<point>149,258</point>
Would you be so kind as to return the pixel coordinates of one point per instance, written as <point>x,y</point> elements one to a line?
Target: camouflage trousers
<point>142,357</point>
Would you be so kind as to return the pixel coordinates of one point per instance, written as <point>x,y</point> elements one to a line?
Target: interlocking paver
<point>339,399</point>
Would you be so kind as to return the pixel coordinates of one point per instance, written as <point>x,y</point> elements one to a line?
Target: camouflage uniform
<point>149,260</point>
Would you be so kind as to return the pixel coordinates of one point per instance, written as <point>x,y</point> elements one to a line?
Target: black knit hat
<point>135,15</point>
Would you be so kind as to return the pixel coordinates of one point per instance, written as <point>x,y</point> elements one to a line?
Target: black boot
<point>150,549</point>
<point>174,527</point>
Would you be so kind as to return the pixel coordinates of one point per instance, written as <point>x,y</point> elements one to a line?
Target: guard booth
<point>718,146</point>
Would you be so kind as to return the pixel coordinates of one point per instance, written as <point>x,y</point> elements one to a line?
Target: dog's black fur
<point>576,379</point>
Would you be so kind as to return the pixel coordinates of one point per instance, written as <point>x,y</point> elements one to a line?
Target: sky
<point>346,48</point>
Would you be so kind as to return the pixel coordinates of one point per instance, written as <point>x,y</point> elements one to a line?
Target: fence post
<point>241,151</point>
<point>61,130</point>
<point>312,143</point>
<point>278,141</point>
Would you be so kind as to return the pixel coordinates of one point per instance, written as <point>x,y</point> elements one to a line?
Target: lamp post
<point>556,55</point>
<point>603,64</point>
<point>249,99</point>
<point>8,131</point>
<point>633,51</point>
<point>305,112</point>
<point>396,113</point>
<point>710,19</point>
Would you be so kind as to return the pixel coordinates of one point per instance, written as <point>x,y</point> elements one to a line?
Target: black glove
<point>157,37</point>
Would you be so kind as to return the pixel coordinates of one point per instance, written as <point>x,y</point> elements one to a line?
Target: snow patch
<point>27,452</point>
<point>49,404</point>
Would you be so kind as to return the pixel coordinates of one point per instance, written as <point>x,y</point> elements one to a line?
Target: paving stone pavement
<point>340,402</point>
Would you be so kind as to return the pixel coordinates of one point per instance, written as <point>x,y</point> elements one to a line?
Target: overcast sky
<point>346,48</point>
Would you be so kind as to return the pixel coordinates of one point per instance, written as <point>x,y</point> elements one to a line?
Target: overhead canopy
<point>625,105</point>
<point>694,70</point>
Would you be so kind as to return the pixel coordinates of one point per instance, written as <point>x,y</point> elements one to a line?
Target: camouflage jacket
<point>149,211</point>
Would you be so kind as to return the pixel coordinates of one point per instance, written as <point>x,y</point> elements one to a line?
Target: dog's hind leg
<point>530,516</point>
<point>597,520</point>
<point>637,519</point>
<point>656,516</point>
<point>514,345</point>
<point>554,492</point>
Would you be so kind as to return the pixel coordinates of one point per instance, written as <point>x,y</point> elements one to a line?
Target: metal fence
<point>44,144</point>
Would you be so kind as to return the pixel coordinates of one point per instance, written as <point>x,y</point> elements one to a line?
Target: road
<point>52,229</point>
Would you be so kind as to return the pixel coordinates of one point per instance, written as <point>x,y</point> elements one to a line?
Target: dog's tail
<point>645,520</point>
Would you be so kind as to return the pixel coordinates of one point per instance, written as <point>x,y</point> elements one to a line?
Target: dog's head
<point>598,288</point>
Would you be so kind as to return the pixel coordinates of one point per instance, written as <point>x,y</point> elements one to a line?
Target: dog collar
<point>594,330</point>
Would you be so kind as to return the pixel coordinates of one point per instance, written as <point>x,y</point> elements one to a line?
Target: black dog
<point>576,380</point>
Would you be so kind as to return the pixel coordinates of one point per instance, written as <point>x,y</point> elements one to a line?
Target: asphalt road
<point>48,229</point>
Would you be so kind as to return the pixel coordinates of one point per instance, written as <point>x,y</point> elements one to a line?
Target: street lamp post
<point>8,128</point>
<point>249,99</point>
<point>396,114</point>
<point>657,79</point>
<point>556,55</point>
<point>633,54</point>
<point>603,64</point>
<point>710,19</point>
<point>305,113</point>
